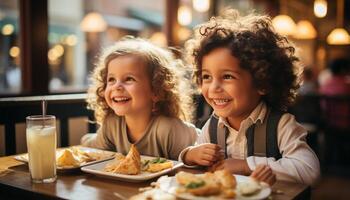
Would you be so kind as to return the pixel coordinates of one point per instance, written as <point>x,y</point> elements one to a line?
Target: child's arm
<point>203,138</point>
<point>95,140</point>
<point>298,163</point>
<point>100,139</point>
<point>234,166</point>
<point>204,154</point>
<point>263,173</point>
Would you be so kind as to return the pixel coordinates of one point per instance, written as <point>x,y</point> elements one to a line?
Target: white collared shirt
<point>298,163</point>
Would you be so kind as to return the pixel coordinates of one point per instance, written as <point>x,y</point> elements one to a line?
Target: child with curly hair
<point>249,75</point>
<point>136,98</point>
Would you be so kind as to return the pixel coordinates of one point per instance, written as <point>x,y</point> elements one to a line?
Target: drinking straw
<point>43,108</point>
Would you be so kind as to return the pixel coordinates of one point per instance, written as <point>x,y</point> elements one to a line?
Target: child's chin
<point>221,113</point>
<point>119,113</point>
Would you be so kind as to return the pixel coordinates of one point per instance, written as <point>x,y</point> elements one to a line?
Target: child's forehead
<point>220,57</point>
<point>127,63</point>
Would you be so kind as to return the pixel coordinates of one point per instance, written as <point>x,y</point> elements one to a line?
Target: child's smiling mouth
<point>221,102</point>
<point>121,99</point>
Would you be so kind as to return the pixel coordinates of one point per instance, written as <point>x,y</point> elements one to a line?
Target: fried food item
<point>184,178</point>
<point>131,164</point>
<point>156,167</point>
<point>225,178</point>
<point>220,183</point>
<point>67,158</point>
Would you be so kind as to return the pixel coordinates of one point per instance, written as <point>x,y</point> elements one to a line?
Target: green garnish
<point>158,160</point>
<point>145,162</point>
<point>193,185</point>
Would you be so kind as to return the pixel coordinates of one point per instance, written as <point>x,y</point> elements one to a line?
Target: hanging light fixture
<point>284,24</point>
<point>305,30</point>
<point>93,22</point>
<point>201,5</point>
<point>320,8</point>
<point>339,36</point>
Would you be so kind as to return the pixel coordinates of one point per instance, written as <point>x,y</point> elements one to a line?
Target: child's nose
<point>215,86</point>
<point>118,85</point>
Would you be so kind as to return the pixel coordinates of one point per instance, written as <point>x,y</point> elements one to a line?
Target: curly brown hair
<point>269,57</point>
<point>167,78</point>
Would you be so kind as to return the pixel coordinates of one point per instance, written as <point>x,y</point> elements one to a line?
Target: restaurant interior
<point>49,48</point>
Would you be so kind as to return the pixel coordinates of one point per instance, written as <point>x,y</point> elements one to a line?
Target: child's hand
<point>234,166</point>
<point>264,173</point>
<point>205,154</point>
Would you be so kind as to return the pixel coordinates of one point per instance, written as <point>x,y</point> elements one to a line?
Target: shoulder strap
<point>271,136</point>
<point>213,125</point>
<point>218,135</point>
<point>262,137</point>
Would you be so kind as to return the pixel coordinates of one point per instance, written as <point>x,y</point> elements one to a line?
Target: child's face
<point>226,86</point>
<point>128,91</point>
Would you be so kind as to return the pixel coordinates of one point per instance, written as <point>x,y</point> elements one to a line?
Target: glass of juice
<point>41,145</point>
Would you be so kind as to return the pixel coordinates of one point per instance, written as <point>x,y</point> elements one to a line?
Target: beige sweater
<point>164,137</point>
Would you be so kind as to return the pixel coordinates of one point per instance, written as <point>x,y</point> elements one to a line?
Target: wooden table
<point>78,185</point>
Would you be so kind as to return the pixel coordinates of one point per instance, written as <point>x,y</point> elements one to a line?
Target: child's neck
<point>137,126</point>
<point>235,123</point>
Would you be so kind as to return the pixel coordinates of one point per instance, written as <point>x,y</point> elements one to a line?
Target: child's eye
<point>110,80</point>
<point>228,76</point>
<point>205,76</point>
<point>129,79</point>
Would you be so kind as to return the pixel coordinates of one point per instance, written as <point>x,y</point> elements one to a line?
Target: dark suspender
<point>261,137</point>
<point>271,129</point>
<point>218,135</point>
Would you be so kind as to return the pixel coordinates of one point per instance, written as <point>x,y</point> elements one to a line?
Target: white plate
<point>169,184</point>
<point>97,169</point>
<point>107,155</point>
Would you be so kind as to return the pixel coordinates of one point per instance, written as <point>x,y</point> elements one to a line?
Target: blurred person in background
<point>337,86</point>
<point>339,82</point>
<point>309,85</point>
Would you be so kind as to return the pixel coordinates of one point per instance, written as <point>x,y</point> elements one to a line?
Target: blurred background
<point>50,47</point>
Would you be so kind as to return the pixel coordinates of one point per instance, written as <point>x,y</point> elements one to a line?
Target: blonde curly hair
<point>268,56</point>
<point>167,76</point>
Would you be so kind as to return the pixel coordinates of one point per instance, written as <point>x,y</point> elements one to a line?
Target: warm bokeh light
<point>159,39</point>
<point>338,36</point>
<point>14,51</point>
<point>71,40</point>
<point>59,50</point>
<point>201,5</point>
<point>184,15</point>
<point>184,33</point>
<point>8,29</point>
<point>55,52</point>
<point>93,22</point>
<point>320,8</point>
<point>284,25</point>
<point>305,30</point>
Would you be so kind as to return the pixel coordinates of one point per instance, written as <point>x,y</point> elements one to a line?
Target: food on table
<point>153,194</point>
<point>67,158</point>
<point>75,156</point>
<point>249,188</point>
<point>130,165</point>
<point>157,164</point>
<point>220,183</point>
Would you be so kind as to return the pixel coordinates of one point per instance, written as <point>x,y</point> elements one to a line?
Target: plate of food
<point>218,185</point>
<point>75,157</point>
<point>133,167</point>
